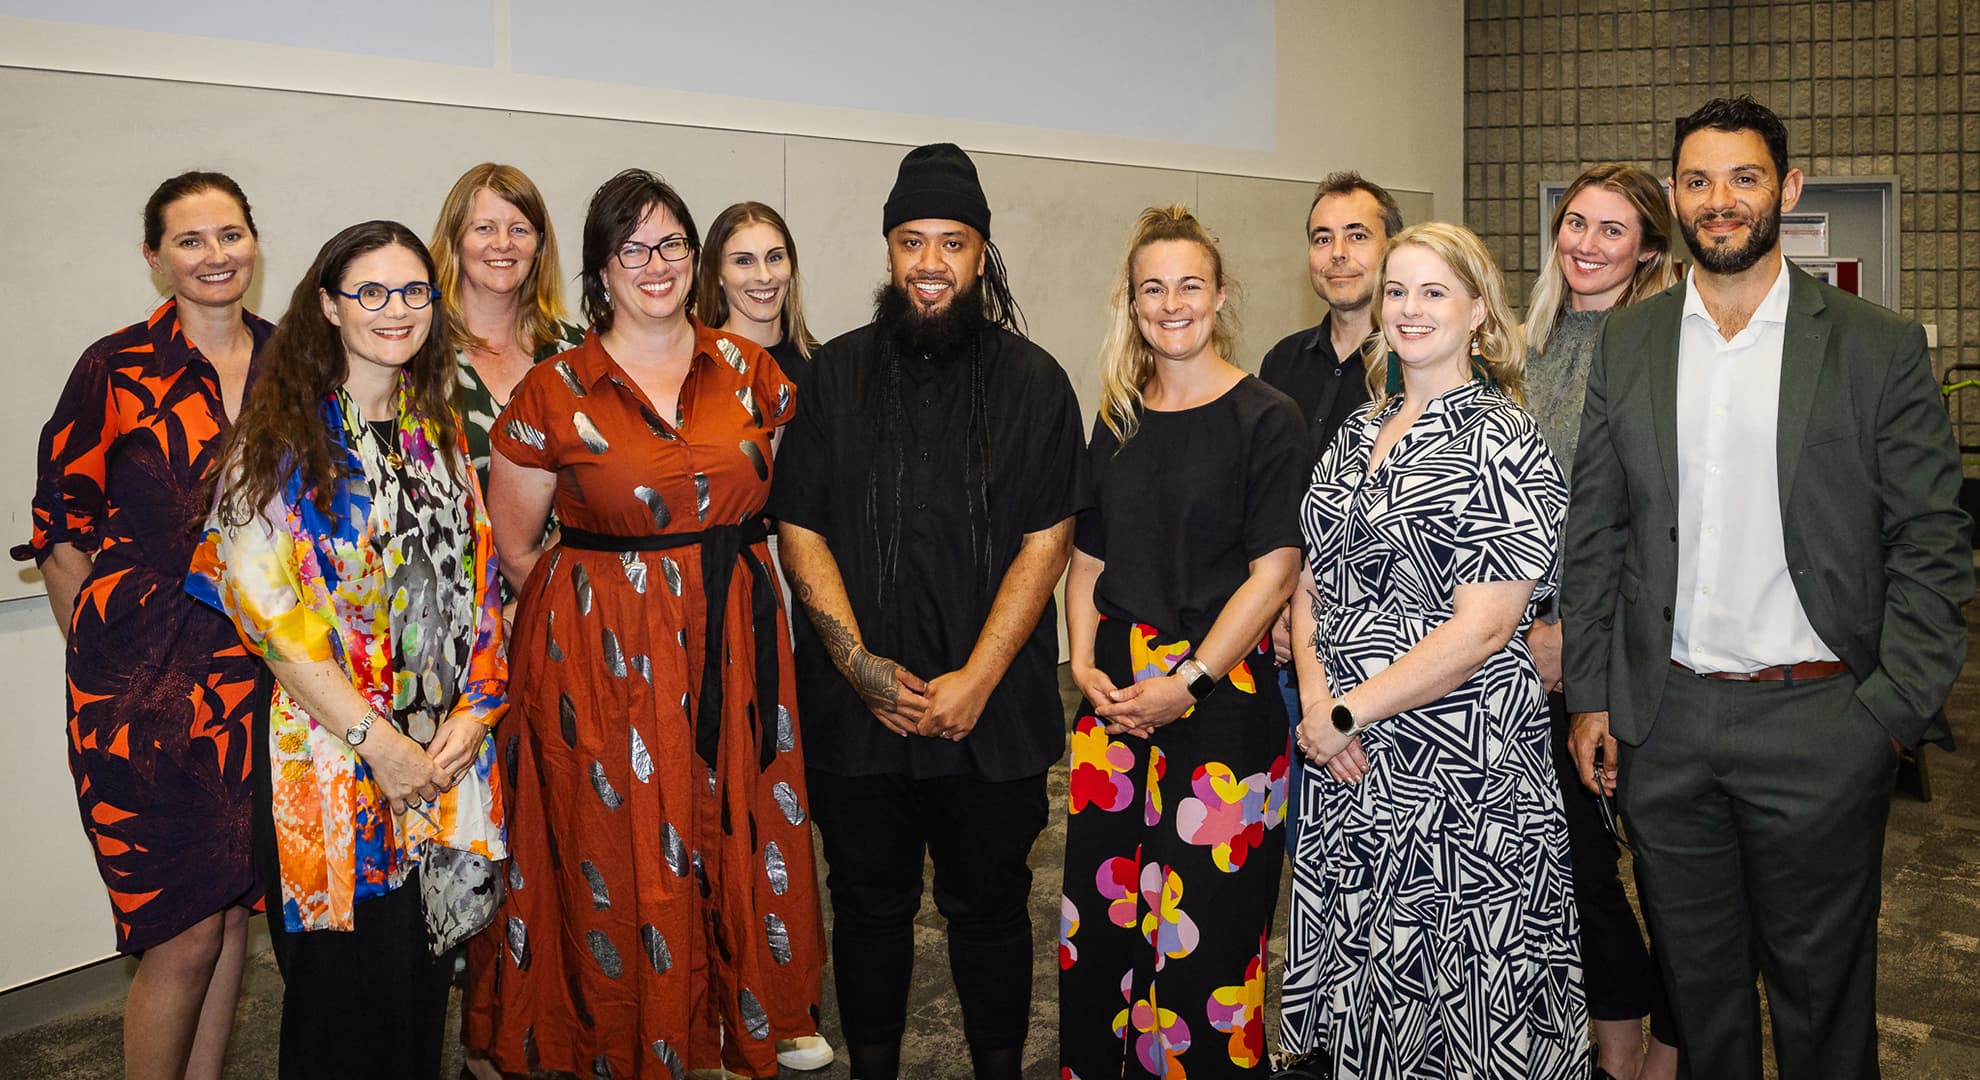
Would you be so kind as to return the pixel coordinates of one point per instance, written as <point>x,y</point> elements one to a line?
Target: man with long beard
<point>924,499</point>
<point>1765,561</point>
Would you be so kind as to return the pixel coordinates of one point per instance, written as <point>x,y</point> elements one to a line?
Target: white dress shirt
<point>1736,607</point>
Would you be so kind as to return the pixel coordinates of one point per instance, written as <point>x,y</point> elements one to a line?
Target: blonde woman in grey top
<point>1611,246</point>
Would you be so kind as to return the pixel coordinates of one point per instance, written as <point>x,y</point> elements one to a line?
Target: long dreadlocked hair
<point>886,474</point>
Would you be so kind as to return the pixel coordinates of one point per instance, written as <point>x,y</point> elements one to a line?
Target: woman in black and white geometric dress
<point>1433,925</point>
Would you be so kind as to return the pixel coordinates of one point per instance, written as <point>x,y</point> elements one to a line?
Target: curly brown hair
<point>281,432</point>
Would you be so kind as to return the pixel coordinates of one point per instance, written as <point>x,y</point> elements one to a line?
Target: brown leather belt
<point>1787,673</point>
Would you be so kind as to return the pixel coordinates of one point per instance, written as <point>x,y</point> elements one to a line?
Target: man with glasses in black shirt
<point>924,499</point>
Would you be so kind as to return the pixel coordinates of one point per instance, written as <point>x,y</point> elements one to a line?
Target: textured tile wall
<point>1865,86</point>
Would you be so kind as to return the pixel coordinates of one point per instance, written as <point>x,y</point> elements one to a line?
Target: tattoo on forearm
<point>1314,641</point>
<point>872,676</point>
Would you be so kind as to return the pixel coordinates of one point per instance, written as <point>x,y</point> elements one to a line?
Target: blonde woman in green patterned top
<point>498,279</point>
<point>1611,247</point>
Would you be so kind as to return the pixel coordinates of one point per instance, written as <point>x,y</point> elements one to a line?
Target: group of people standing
<point>571,732</point>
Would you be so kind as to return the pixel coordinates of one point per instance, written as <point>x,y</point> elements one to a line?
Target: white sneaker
<point>804,1053</point>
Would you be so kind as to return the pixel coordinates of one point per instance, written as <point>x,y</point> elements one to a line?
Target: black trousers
<point>1620,974</point>
<point>1757,811</point>
<point>370,1002</point>
<point>876,830</point>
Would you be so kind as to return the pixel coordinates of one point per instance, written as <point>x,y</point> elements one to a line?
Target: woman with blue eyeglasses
<point>349,546</point>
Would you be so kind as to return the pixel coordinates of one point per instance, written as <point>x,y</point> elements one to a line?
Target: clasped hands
<point>945,707</point>
<point>407,773</point>
<point>1326,745</point>
<point>1137,709</point>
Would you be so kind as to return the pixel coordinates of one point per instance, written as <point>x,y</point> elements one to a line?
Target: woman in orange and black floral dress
<point>661,887</point>
<point>157,684</point>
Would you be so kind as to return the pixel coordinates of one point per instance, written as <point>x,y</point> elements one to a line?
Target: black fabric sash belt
<point>721,546</point>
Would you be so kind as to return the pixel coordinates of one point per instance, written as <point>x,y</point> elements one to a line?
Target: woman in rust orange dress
<point>158,684</point>
<point>661,885</point>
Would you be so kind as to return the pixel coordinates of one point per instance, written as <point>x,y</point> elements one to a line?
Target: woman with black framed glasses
<point>349,546</point>
<point>662,888</point>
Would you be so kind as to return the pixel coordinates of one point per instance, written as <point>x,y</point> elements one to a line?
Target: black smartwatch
<point>1197,678</point>
<point>1343,719</point>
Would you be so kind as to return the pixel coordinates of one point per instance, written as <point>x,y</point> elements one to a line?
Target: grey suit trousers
<point>1757,811</point>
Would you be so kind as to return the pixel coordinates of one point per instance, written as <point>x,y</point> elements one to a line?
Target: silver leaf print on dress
<point>671,570</point>
<point>615,656</point>
<point>787,801</point>
<point>604,952</point>
<point>567,720</point>
<point>581,584</point>
<point>525,434</point>
<point>786,732</point>
<point>779,936</point>
<point>655,505</point>
<point>783,399</point>
<point>601,1069</point>
<point>550,646</point>
<point>518,942</point>
<point>672,1060</point>
<point>594,440</point>
<point>601,897</point>
<point>753,1017</point>
<point>569,375</point>
<point>515,874</point>
<point>732,354</point>
<point>748,398</point>
<point>642,761</point>
<point>644,666</point>
<point>654,944</point>
<point>773,865</point>
<point>603,787</point>
<point>635,570</point>
<point>674,850</point>
<point>755,455</point>
<point>701,496</point>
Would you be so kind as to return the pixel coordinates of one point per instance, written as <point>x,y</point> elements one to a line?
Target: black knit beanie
<point>937,181</point>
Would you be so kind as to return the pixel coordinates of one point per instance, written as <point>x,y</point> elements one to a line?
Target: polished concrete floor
<point>1929,964</point>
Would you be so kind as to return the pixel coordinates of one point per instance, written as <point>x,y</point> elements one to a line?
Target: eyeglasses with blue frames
<point>633,254</point>
<point>371,296</point>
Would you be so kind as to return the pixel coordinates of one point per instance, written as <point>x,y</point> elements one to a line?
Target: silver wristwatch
<point>354,735</point>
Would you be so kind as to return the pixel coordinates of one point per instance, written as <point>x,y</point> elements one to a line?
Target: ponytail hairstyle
<point>1126,361</point>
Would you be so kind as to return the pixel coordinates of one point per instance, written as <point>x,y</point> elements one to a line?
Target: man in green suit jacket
<point>1764,562</point>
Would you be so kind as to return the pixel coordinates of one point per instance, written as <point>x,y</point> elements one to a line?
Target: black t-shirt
<point>793,363</point>
<point>827,468</point>
<point>1326,388</point>
<point>1191,499</point>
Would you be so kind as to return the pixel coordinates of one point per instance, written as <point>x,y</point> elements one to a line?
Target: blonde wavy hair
<point>543,304</point>
<point>1126,361</point>
<point>1644,194</point>
<point>1500,343</point>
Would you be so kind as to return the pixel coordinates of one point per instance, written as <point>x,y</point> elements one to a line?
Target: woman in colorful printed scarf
<point>349,545</point>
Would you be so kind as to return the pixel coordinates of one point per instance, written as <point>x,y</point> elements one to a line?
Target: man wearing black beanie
<point>924,498</point>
